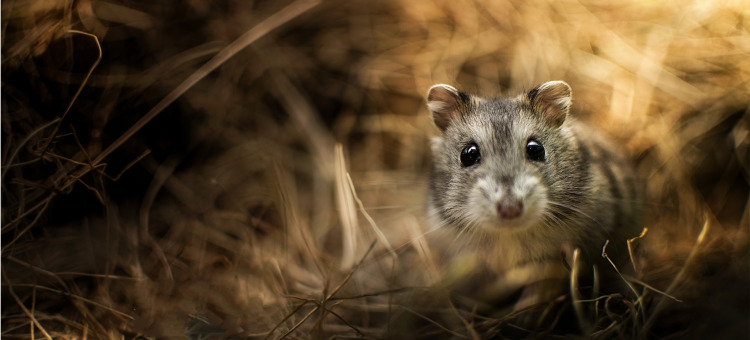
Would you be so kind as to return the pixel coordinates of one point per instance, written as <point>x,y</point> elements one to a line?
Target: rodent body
<point>518,181</point>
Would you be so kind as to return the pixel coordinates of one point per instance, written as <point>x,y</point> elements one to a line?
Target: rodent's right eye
<point>470,155</point>
<point>535,151</point>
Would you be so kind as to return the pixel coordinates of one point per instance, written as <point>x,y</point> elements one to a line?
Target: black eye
<point>470,155</point>
<point>535,151</point>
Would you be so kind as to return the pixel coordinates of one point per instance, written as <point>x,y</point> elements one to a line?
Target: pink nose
<point>510,210</point>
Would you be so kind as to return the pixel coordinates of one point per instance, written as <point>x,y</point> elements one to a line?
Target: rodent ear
<point>552,100</point>
<point>444,102</point>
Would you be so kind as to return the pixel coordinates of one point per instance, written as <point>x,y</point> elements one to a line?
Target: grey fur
<point>583,194</point>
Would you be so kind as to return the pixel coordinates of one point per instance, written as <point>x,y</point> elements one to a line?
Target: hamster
<point>517,181</point>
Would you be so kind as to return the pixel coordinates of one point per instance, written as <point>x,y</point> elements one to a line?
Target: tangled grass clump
<point>258,170</point>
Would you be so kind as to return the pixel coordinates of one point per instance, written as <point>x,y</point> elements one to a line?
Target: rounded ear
<point>551,100</point>
<point>445,102</point>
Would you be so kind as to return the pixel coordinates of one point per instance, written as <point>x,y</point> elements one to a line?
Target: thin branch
<point>289,315</point>
<point>575,294</point>
<point>78,91</point>
<point>274,21</point>
<point>307,316</point>
<point>9,161</point>
<point>351,272</point>
<point>77,297</point>
<point>330,310</point>
<point>44,204</point>
<point>428,319</point>
<point>255,33</point>
<point>23,307</point>
<point>630,248</point>
<point>652,288</point>
<point>369,219</point>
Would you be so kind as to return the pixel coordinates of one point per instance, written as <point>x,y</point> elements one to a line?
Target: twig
<point>267,25</point>
<point>574,293</point>
<point>43,205</point>
<point>369,219</point>
<point>9,162</point>
<point>604,255</point>
<point>289,315</point>
<point>274,21</point>
<point>78,91</point>
<point>680,276</point>
<point>347,212</point>
<point>291,219</point>
<point>330,310</point>
<point>630,285</point>
<point>379,293</point>
<point>307,119</point>
<point>351,272</point>
<point>56,275</point>
<point>693,253</point>
<point>157,182</point>
<point>25,310</point>
<point>652,288</point>
<point>630,248</point>
<point>428,319</point>
<point>129,165</point>
<point>77,297</point>
<point>322,304</point>
<point>307,316</point>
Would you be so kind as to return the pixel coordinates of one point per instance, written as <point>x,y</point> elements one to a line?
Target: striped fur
<point>584,193</point>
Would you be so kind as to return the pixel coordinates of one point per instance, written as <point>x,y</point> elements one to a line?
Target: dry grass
<point>258,170</point>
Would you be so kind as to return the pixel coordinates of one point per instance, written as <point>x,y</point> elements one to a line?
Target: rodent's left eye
<point>535,151</point>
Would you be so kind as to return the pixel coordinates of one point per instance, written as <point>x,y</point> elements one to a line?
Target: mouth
<point>515,224</point>
<point>523,221</point>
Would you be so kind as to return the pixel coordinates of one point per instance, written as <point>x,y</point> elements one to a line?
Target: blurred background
<point>244,169</point>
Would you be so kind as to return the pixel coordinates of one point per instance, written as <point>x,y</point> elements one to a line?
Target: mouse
<point>517,182</point>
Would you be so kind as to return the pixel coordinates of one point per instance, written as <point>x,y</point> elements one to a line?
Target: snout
<point>509,209</point>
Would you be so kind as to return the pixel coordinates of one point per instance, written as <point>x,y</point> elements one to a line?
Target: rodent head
<point>503,164</point>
